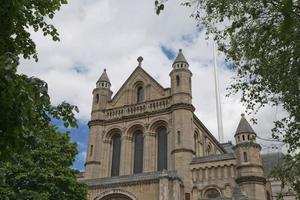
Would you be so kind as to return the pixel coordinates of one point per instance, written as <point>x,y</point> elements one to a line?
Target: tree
<point>35,158</point>
<point>261,39</point>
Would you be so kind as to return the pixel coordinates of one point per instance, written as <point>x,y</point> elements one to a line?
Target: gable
<point>126,95</point>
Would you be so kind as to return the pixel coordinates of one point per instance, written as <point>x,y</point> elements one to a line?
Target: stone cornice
<point>182,150</point>
<point>249,165</point>
<point>136,179</point>
<point>248,179</point>
<point>143,115</point>
<point>247,144</point>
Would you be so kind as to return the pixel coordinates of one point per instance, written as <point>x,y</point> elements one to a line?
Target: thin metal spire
<point>218,99</point>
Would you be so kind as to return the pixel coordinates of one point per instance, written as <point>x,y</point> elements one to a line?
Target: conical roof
<point>104,77</point>
<point>180,57</point>
<point>244,126</point>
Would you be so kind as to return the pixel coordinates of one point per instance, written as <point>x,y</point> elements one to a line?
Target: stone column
<point>164,188</point>
<point>149,152</point>
<point>105,158</point>
<point>126,156</point>
<point>176,190</point>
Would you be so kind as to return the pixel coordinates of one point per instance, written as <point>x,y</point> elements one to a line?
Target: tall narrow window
<point>178,137</point>
<point>162,142</point>
<point>138,152</point>
<point>177,80</point>
<point>195,144</point>
<point>91,150</point>
<point>97,98</point>
<point>140,94</point>
<point>245,157</point>
<point>115,166</point>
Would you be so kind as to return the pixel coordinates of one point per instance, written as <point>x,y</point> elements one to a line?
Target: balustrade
<point>151,106</point>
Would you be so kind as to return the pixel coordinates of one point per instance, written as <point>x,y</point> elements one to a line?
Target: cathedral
<point>146,143</point>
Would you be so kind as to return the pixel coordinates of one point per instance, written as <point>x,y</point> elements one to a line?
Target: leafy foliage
<point>18,17</point>
<point>261,39</point>
<point>35,158</point>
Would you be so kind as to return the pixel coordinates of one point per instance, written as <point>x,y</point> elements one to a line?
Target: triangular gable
<point>139,74</point>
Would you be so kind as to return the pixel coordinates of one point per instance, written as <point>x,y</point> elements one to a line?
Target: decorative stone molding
<point>115,191</point>
<point>135,179</point>
<point>182,150</point>
<point>247,144</point>
<point>247,179</point>
<point>92,162</point>
<point>249,165</point>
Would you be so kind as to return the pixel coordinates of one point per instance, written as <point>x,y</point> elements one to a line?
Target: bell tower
<point>249,164</point>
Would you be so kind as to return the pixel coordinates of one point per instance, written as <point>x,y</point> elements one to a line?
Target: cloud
<point>112,34</point>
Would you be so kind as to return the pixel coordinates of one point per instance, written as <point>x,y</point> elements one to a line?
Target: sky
<point>112,34</point>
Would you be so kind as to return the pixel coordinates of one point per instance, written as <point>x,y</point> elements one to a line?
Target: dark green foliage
<point>35,158</point>
<point>261,39</point>
<point>20,16</point>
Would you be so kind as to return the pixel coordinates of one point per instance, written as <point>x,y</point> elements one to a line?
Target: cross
<point>140,60</point>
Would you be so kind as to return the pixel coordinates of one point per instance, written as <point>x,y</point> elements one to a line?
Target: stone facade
<point>179,158</point>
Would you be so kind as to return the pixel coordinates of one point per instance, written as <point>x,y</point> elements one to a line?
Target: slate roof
<point>228,147</point>
<point>180,57</point>
<point>244,126</point>
<point>212,158</point>
<point>104,77</point>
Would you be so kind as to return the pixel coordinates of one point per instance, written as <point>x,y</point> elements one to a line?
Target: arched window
<point>138,152</point>
<point>212,194</point>
<point>177,80</point>
<point>140,94</point>
<point>208,150</point>
<point>115,165</point>
<point>162,153</point>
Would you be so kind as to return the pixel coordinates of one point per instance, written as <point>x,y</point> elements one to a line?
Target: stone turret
<point>101,94</point>
<point>182,150</point>
<point>250,175</point>
<point>181,84</point>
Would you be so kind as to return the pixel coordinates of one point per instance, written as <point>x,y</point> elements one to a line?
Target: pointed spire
<point>244,126</point>
<point>104,77</point>
<point>180,57</point>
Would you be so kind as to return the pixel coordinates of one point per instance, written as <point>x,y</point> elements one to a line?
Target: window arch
<point>212,194</point>
<point>177,80</point>
<point>208,150</point>
<point>162,144</point>
<point>138,152</point>
<point>116,151</point>
<point>140,94</point>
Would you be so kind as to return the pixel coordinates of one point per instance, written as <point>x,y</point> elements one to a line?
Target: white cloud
<point>112,34</point>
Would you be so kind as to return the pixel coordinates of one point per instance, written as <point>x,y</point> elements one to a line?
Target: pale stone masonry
<point>178,157</point>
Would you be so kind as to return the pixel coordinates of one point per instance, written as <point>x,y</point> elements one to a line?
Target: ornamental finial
<point>140,60</point>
